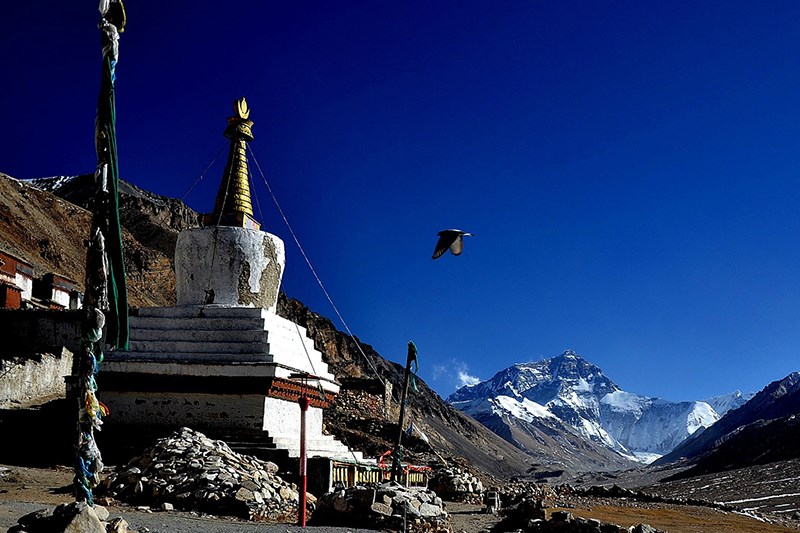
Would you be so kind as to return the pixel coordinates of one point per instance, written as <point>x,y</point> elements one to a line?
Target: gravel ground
<point>173,522</point>
<point>24,490</point>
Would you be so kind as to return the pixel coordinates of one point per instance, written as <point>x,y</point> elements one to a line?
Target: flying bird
<point>452,239</point>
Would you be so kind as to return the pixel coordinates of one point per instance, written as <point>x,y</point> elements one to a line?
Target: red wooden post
<point>301,512</point>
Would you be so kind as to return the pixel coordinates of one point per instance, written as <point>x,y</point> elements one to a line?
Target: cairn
<point>457,485</point>
<point>192,472</point>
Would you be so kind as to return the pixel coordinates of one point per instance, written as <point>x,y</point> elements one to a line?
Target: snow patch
<point>523,409</point>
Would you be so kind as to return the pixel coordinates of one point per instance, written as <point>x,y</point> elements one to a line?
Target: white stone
<point>101,512</point>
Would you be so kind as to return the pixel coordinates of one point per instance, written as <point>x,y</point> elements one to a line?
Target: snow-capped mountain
<point>727,402</point>
<point>51,184</point>
<point>571,390</point>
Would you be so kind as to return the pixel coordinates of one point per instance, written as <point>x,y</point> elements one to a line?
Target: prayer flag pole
<point>106,301</point>
<point>398,450</point>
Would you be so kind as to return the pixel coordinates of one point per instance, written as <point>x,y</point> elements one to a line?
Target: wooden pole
<point>304,402</point>
<point>301,512</point>
<point>396,464</point>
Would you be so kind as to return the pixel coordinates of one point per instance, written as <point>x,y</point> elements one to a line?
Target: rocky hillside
<point>48,232</point>
<point>151,219</point>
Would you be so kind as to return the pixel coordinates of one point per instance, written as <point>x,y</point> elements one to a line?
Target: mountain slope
<point>570,390</point>
<point>768,418</point>
<point>48,232</point>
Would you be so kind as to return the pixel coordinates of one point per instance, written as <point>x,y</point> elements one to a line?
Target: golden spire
<point>233,206</point>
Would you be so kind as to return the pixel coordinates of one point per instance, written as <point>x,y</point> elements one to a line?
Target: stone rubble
<point>76,517</point>
<point>457,485</point>
<point>529,515</point>
<point>382,506</point>
<point>189,471</point>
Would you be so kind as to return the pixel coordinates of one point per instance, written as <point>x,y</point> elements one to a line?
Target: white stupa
<point>222,359</point>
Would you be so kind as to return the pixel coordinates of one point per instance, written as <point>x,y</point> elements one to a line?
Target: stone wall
<point>30,379</point>
<point>361,404</point>
<point>38,331</point>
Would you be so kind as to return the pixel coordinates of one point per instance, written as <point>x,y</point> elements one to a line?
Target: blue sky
<point>630,169</point>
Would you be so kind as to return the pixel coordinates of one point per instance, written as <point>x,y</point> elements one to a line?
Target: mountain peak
<point>579,394</point>
<point>542,381</point>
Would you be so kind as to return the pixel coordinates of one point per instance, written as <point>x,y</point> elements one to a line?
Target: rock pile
<point>515,490</point>
<point>382,506</point>
<point>530,515</point>
<point>457,485</point>
<point>192,472</point>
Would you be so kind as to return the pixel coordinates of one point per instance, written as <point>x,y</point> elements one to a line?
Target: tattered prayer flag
<point>413,428</point>
<point>106,204</point>
<point>412,358</point>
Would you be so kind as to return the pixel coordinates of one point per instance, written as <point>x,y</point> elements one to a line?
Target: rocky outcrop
<point>61,227</point>
<point>191,471</point>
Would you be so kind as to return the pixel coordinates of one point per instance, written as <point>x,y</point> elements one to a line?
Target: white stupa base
<point>225,265</point>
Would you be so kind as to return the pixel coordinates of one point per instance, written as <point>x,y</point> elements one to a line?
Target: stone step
<point>200,335</point>
<point>346,455</point>
<point>267,447</point>
<point>283,345</point>
<point>265,454</point>
<point>287,334</point>
<point>187,323</point>
<point>171,357</point>
<point>261,446</point>
<point>278,323</point>
<point>322,445</point>
<point>199,347</point>
<point>284,339</point>
<point>253,449</point>
<point>207,311</point>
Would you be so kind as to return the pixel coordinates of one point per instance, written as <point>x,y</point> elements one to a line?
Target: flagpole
<point>398,450</point>
<point>105,303</point>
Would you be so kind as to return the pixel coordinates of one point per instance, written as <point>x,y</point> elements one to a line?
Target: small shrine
<point>222,360</point>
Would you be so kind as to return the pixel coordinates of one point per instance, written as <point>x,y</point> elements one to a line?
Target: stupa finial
<point>233,206</point>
